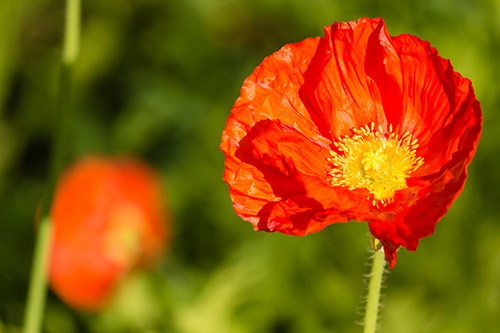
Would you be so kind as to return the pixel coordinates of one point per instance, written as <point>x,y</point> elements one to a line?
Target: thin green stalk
<point>70,51</point>
<point>372,304</point>
<point>37,289</point>
<point>71,47</point>
<point>35,305</point>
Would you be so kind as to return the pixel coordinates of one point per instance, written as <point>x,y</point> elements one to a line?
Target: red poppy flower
<point>108,219</point>
<point>356,125</point>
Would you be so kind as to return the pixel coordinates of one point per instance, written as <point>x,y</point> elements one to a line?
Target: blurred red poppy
<point>108,219</point>
<point>356,125</point>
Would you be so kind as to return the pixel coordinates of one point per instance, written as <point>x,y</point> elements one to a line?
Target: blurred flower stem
<point>373,299</point>
<point>38,284</point>
<point>37,289</point>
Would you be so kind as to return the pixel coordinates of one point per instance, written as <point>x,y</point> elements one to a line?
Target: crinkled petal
<point>361,79</point>
<point>276,90</point>
<point>278,167</point>
<point>440,105</point>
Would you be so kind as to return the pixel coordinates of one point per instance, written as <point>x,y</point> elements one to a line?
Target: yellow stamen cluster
<point>376,161</point>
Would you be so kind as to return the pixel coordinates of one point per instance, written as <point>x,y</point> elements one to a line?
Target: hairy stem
<point>372,304</point>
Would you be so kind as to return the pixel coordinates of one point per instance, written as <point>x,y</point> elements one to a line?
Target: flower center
<point>375,161</point>
<point>122,241</point>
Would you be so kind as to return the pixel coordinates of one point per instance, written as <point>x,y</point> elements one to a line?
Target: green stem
<point>71,47</point>
<point>37,291</point>
<point>372,304</point>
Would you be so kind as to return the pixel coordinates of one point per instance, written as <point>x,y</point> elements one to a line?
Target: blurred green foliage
<point>157,79</point>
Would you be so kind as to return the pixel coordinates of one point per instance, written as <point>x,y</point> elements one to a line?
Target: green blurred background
<point>157,79</point>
